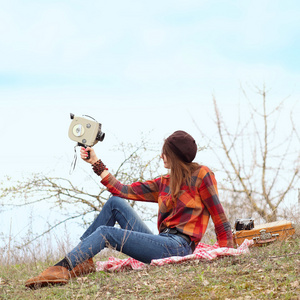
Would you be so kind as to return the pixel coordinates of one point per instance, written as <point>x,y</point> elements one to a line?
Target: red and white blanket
<point>203,251</point>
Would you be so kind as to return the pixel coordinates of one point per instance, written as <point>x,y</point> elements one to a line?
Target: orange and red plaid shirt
<point>190,213</point>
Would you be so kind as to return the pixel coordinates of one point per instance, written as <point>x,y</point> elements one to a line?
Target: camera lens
<point>100,136</point>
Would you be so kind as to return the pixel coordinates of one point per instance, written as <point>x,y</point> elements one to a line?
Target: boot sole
<point>40,284</point>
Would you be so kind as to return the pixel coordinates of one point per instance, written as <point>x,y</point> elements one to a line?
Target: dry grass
<point>271,272</point>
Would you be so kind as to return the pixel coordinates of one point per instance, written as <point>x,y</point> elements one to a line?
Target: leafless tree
<point>77,201</point>
<point>260,163</point>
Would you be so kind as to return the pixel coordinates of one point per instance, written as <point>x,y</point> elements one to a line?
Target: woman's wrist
<point>99,167</point>
<point>93,161</point>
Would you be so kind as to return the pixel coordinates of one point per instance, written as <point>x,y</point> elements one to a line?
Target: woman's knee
<point>115,201</point>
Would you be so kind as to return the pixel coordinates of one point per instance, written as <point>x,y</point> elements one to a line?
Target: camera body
<point>244,224</point>
<point>85,132</point>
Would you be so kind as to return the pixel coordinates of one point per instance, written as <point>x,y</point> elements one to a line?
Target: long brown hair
<point>180,171</point>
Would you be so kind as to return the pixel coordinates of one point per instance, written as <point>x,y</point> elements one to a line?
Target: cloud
<point>73,37</point>
<point>170,51</point>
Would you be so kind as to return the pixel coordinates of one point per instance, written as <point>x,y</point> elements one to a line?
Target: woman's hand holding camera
<point>88,154</point>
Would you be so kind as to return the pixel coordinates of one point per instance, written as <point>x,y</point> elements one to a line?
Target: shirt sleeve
<point>142,191</point>
<point>209,196</point>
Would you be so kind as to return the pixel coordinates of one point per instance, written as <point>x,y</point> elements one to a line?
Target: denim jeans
<point>133,238</point>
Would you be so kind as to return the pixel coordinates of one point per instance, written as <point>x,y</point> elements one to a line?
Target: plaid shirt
<point>190,213</point>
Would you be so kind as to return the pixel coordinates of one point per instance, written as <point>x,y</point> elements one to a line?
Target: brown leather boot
<point>85,267</point>
<point>52,275</point>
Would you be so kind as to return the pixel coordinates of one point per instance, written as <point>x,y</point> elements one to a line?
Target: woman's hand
<point>84,154</point>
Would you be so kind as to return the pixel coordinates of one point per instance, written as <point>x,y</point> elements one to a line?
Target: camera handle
<point>89,156</point>
<point>82,145</point>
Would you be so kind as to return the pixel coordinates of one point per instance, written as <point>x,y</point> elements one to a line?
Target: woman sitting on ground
<point>186,198</point>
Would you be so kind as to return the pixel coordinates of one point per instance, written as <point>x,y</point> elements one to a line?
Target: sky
<point>137,67</point>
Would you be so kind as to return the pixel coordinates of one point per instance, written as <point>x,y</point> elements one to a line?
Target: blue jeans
<point>133,238</point>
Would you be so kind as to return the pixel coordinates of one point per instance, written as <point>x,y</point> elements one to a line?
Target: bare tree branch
<point>76,201</point>
<point>254,159</point>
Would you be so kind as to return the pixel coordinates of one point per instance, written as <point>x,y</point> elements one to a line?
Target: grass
<point>271,272</point>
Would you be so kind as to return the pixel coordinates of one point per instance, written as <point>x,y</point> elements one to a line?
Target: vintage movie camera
<point>86,132</point>
<point>244,224</point>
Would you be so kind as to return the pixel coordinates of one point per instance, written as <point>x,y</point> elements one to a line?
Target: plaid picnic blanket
<point>202,251</point>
